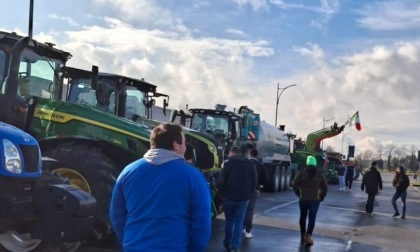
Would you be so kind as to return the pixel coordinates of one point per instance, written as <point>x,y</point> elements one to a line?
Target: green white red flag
<point>355,120</point>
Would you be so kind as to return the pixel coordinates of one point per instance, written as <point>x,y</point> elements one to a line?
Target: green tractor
<point>132,100</point>
<point>312,147</point>
<point>91,146</point>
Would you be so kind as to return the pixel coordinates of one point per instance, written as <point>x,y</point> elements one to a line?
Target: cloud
<point>237,33</point>
<point>326,9</point>
<point>390,15</point>
<point>256,5</point>
<point>145,12</point>
<point>70,21</point>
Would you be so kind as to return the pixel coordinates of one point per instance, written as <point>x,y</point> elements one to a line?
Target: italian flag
<point>355,120</point>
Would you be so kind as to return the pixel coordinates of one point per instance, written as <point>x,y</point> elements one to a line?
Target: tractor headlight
<point>212,148</point>
<point>12,158</point>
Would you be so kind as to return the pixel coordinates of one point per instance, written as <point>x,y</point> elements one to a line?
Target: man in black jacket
<point>237,182</point>
<point>373,181</point>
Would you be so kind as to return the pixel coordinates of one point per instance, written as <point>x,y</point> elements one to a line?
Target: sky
<point>344,56</point>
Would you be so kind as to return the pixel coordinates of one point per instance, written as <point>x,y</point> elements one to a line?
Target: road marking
<point>280,206</point>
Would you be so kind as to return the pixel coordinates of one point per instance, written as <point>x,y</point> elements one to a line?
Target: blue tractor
<point>38,211</point>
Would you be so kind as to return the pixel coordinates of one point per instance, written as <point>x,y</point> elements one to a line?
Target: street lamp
<point>342,142</point>
<point>324,122</point>
<point>278,97</point>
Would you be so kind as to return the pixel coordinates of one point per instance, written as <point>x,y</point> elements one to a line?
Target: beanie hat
<point>310,160</point>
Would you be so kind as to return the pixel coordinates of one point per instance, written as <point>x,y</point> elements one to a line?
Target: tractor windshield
<point>38,76</point>
<point>211,123</point>
<point>134,106</point>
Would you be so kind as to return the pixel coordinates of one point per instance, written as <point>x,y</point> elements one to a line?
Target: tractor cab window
<point>38,76</point>
<point>82,93</point>
<point>213,124</point>
<point>134,105</point>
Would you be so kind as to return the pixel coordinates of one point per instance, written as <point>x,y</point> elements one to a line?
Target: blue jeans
<point>234,219</point>
<point>403,196</point>
<point>308,208</point>
<point>370,202</point>
<point>341,182</point>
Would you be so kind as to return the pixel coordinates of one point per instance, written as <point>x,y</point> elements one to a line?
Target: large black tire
<point>287,178</point>
<point>93,172</point>
<point>282,178</point>
<point>274,178</point>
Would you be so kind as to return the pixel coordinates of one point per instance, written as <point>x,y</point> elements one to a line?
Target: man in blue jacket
<point>160,202</point>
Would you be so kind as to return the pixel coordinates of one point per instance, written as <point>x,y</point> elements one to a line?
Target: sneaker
<point>308,240</point>
<point>248,235</point>
<point>371,214</point>
<point>396,214</point>
<point>403,216</point>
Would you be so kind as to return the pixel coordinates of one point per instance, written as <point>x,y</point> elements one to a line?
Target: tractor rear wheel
<point>89,169</point>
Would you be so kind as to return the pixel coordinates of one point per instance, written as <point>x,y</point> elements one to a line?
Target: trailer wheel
<point>287,177</point>
<point>91,170</point>
<point>273,182</point>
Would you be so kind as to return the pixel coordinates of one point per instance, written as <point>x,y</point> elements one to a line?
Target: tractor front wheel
<point>89,169</point>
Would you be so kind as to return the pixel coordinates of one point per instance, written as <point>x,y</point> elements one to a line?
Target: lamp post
<point>342,142</point>
<point>324,122</point>
<point>278,98</point>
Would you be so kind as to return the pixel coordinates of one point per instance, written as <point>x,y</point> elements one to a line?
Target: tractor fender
<point>122,157</point>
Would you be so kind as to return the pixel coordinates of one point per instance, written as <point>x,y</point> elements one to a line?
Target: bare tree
<point>412,158</point>
<point>389,150</point>
<point>380,150</point>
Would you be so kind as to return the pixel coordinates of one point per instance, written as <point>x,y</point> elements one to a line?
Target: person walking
<point>237,182</point>
<point>249,215</point>
<point>349,174</point>
<point>401,182</point>
<point>160,202</point>
<point>372,180</point>
<point>340,171</point>
<point>310,185</point>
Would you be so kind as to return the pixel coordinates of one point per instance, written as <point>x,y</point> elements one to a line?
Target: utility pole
<point>342,142</point>
<point>324,122</point>
<point>278,98</point>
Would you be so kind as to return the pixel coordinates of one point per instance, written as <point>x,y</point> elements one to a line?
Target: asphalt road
<point>341,225</point>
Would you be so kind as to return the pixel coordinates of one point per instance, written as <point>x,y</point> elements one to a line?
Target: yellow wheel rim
<point>76,179</point>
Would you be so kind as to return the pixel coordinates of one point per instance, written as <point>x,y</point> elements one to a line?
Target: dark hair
<point>374,163</point>
<point>402,169</point>
<point>253,153</point>
<point>164,135</point>
<point>235,149</point>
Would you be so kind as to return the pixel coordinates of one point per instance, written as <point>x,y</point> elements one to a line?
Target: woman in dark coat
<point>401,183</point>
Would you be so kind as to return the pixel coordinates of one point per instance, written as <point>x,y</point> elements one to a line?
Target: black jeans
<point>349,182</point>
<point>308,209</point>
<point>249,215</point>
<point>370,201</point>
